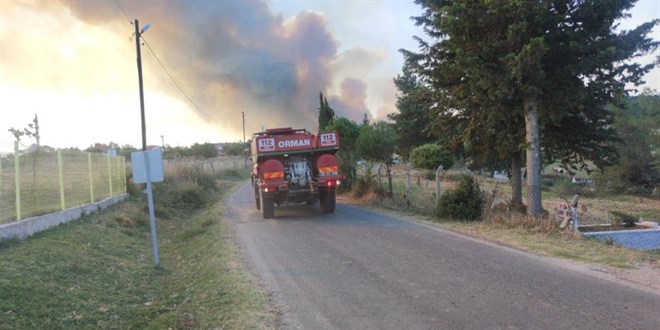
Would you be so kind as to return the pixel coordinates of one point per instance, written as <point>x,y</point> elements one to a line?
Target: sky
<point>205,64</point>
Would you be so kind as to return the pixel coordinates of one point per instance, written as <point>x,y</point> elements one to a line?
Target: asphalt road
<point>361,269</point>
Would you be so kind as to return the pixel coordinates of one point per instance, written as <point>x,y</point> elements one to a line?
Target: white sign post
<point>147,167</point>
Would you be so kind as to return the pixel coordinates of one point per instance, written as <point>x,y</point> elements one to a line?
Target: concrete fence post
<point>123,160</point>
<point>17,180</point>
<point>438,178</point>
<point>91,177</point>
<point>118,171</point>
<point>0,177</point>
<point>61,177</point>
<point>109,175</point>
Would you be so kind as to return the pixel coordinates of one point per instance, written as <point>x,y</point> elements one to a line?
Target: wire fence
<point>217,166</point>
<point>38,182</point>
<point>415,189</point>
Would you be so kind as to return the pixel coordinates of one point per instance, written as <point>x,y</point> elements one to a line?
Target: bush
<point>179,196</point>
<point>613,185</point>
<point>430,156</point>
<point>625,218</point>
<point>464,202</point>
<point>347,169</point>
<point>366,183</point>
<point>361,187</point>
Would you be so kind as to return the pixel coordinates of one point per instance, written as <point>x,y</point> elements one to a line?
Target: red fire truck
<point>294,166</point>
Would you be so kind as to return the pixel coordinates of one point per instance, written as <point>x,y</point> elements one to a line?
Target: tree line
<point>516,84</point>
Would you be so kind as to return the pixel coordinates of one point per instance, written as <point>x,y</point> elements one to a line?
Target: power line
<point>175,82</point>
<point>122,11</point>
<point>167,73</point>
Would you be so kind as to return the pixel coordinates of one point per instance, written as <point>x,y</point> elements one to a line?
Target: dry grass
<point>506,225</point>
<point>592,209</point>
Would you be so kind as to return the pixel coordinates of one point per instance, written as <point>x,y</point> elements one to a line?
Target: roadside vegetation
<point>98,272</point>
<point>498,220</point>
<point>485,95</point>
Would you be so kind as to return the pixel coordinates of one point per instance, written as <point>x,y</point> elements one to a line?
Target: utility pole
<point>138,33</point>
<point>243,113</point>
<point>243,151</point>
<point>147,166</point>
<point>162,141</point>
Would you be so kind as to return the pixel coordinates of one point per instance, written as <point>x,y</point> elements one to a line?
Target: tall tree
<point>348,131</point>
<point>326,113</point>
<point>636,123</point>
<point>377,142</point>
<point>507,74</point>
<point>414,104</point>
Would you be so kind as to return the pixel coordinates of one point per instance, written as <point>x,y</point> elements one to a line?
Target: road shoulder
<point>643,276</point>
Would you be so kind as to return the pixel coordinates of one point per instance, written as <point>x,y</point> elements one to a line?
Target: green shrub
<point>464,202</point>
<point>366,183</point>
<point>179,196</point>
<point>132,189</point>
<point>347,169</point>
<point>453,175</point>
<point>191,198</point>
<point>430,156</point>
<point>547,183</point>
<point>205,180</point>
<point>625,218</point>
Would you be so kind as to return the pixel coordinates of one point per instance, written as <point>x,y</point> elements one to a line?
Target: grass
<point>557,244</point>
<point>40,184</point>
<point>518,230</point>
<point>98,273</point>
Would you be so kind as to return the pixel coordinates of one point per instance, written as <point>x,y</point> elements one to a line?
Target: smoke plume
<point>234,56</point>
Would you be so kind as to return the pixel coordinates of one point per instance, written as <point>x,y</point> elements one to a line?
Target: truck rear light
<point>273,175</point>
<point>266,190</point>
<point>338,182</point>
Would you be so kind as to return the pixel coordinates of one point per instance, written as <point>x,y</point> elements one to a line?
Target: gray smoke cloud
<point>233,56</point>
<point>350,103</point>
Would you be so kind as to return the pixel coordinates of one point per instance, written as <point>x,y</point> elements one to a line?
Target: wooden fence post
<point>574,215</point>
<point>17,180</point>
<point>61,177</point>
<point>378,180</point>
<point>437,185</point>
<point>408,170</point>
<point>91,177</point>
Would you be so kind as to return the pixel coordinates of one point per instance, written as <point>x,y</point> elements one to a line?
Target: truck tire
<point>256,197</point>
<point>332,199</point>
<point>322,201</point>
<point>327,200</point>
<point>267,207</point>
